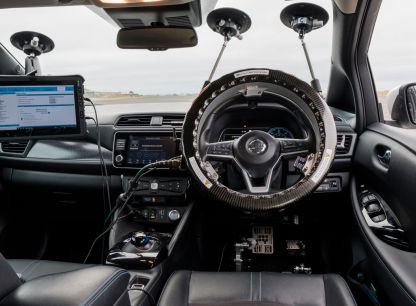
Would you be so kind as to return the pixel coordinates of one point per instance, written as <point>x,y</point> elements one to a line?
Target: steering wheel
<point>257,154</point>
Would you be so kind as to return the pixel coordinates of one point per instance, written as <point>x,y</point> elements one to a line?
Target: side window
<point>393,58</point>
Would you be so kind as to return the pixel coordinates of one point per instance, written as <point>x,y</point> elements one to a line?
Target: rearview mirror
<point>157,38</point>
<point>402,105</point>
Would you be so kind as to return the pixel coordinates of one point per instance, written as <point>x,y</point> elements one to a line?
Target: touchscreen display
<point>23,107</point>
<point>143,150</point>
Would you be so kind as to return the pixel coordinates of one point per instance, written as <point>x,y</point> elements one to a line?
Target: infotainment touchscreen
<point>41,107</point>
<point>143,150</point>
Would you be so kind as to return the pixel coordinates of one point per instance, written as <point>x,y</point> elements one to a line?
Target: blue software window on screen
<point>37,106</point>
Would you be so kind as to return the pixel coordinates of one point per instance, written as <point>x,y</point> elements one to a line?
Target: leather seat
<point>28,269</point>
<point>43,283</point>
<point>251,289</point>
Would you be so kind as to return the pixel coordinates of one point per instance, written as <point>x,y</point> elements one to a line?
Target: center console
<point>146,239</point>
<point>156,210</point>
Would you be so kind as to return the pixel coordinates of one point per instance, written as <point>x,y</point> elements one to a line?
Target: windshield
<point>86,45</point>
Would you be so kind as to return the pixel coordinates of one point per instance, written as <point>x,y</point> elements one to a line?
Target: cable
<point>116,218</point>
<point>222,256</point>
<point>122,199</point>
<point>127,196</point>
<point>100,152</point>
<point>101,168</point>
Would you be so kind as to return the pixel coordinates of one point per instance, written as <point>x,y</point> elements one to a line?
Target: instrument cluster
<point>277,132</point>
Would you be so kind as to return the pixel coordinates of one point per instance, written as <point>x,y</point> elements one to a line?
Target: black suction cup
<point>304,17</point>
<point>229,22</point>
<point>32,43</point>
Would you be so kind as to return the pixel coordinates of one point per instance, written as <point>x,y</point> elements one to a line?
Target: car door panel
<point>394,180</point>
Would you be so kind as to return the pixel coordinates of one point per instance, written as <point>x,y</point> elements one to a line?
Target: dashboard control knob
<point>119,158</point>
<point>174,215</point>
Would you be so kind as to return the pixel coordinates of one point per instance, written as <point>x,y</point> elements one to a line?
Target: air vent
<point>180,21</point>
<point>343,144</point>
<point>14,147</point>
<point>131,23</point>
<point>338,118</point>
<point>134,121</point>
<point>173,120</point>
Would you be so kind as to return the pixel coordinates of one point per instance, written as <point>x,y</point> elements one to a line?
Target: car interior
<point>263,188</point>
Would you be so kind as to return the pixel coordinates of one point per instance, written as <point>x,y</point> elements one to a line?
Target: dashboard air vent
<point>173,120</point>
<point>133,121</point>
<point>343,144</point>
<point>14,147</point>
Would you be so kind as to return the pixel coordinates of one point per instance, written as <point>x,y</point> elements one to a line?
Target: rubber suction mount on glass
<point>229,22</point>
<point>304,17</point>
<point>32,43</point>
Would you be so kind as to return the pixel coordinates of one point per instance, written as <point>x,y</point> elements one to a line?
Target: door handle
<point>384,157</point>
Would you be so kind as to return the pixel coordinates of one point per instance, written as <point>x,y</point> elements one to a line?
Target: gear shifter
<point>140,240</point>
<point>139,250</point>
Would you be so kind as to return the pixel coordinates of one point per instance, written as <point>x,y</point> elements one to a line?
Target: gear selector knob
<point>140,239</point>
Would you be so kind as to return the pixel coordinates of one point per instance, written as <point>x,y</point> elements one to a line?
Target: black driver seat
<point>252,289</point>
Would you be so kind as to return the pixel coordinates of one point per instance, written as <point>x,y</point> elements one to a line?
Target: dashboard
<point>74,164</point>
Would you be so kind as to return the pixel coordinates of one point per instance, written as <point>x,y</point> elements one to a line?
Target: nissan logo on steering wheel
<point>257,146</point>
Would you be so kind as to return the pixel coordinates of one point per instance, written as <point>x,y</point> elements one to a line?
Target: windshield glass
<point>86,44</point>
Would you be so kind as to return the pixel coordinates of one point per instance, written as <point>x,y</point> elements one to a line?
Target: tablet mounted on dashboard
<point>41,107</point>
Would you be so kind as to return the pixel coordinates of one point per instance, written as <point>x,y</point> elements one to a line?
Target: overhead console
<point>137,13</point>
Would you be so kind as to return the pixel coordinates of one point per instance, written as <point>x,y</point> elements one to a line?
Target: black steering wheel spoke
<point>220,151</point>
<point>259,185</point>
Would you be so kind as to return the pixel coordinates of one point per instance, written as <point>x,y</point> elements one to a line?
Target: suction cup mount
<point>304,18</point>
<point>229,23</point>
<point>33,44</point>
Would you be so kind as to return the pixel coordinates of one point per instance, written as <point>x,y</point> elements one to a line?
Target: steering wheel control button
<point>222,148</point>
<point>174,215</point>
<point>289,146</point>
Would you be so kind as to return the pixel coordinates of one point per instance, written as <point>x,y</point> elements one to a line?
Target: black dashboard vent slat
<point>131,23</point>
<point>343,144</point>
<point>173,120</point>
<point>14,147</point>
<point>135,121</point>
<point>179,21</point>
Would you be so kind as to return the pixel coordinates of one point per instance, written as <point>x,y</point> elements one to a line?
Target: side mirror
<point>401,102</point>
<point>158,38</point>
